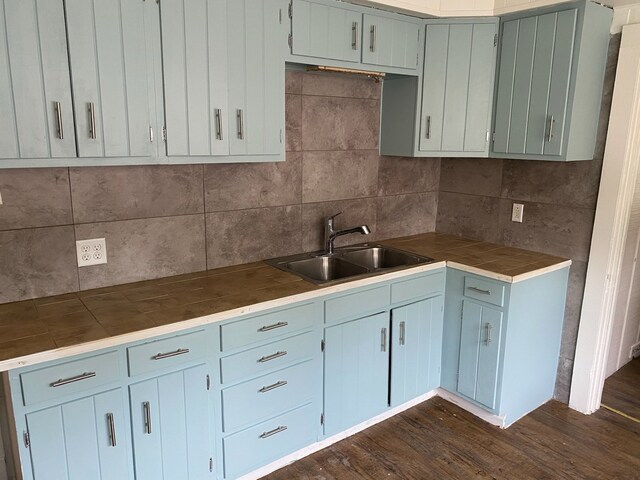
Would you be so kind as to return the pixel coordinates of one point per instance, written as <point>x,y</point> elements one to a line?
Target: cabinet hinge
<point>322,345</point>
<point>322,418</point>
<point>290,41</point>
<point>208,382</point>
<point>27,439</point>
<point>290,9</point>
<point>164,133</point>
<point>211,464</point>
<point>150,133</point>
<point>495,40</point>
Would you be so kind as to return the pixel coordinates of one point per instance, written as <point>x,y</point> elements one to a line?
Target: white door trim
<point>617,184</point>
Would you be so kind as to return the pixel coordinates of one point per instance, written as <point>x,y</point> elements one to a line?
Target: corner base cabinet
<point>501,341</point>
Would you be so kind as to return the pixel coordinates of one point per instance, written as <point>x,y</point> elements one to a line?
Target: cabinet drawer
<point>266,327</point>
<point>69,378</point>
<point>256,446</point>
<point>268,395</point>
<point>356,304</point>
<point>167,353</point>
<point>417,287</point>
<point>484,290</point>
<point>266,358</point>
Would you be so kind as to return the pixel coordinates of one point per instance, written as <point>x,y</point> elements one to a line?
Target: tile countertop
<point>39,330</point>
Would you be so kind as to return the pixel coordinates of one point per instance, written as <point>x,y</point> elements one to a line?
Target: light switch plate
<point>517,212</point>
<point>91,252</point>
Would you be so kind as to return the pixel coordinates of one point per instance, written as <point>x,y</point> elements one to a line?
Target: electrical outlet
<point>0,198</point>
<point>635,350</point>
<point>517,212</point>
<point>91,252</point>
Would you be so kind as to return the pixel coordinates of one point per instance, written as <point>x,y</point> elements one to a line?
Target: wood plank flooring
<point>438,440</point>
<point>622,389</point>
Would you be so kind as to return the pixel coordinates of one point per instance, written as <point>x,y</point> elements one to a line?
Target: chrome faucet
<point>330,234</point>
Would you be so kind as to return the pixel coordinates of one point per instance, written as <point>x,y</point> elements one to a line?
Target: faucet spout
<point>330,234</point>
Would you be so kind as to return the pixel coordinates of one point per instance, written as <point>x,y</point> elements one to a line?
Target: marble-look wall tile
<point>575,292</point>
<point>34,198</point>
<point>145,249</point>
<point>245,236</point>
<point>339,175</point>
<point>337,85</point>
<point>410,214</point>
<point>469,216</point>
<point>397,175</point>
<point>293,115</point>
<point>103,194</point>
<point>473,176</point>
<point>355,212</point>
<point>563,379</point>
<point>336,123</point>
<point>235,186</point>
<point>293,82</point>
<point>37,262</point>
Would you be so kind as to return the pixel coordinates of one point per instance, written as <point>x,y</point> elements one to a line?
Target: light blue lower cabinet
<point>82,439</point>
<point>172,426</point>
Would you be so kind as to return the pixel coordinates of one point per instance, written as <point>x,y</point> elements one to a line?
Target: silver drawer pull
<point>59,128</point>
<point>92,121</point>
<point>218,124</point>
<point>240,122</point>
<point>552,122</point>
<point>280,429</point>
<point>354,36</point>
<point>487,334</point>
<point>78,378</point>
<point>383,340</point>
<point>272,357</point>
<point>402,332</point>
<point>147,417</point>
<point>428,129</point>
<point>266,328</point>
<point>480,290</point>
<point>180,351</point>
<point>372,40</point>
<point>112,430</point>
<point>268,388</point>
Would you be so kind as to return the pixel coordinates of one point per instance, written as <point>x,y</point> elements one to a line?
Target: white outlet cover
<point>91,252</point>
<point>517,212</point>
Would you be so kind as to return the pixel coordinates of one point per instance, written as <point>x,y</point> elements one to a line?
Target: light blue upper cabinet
<point>390,42</point>
<point>112,75</point>
<point>448,112</point>
<point>549,85</point>
<point>35,88</point>
<point>256,46</point>
<point>194,64</point>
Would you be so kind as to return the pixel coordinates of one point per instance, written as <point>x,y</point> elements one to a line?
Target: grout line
<point>204,218</point>
<point>618,412</point>
<point>73,224</point>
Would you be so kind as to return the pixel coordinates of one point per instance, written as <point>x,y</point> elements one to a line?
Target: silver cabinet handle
<point>112,430</point>
<point>354,35</point>
<point>428,133</point>
<point>383,340</point>
<point>240,121</point>
<point>372,39</point>
<point>266,328</point>
<point>268,388</point>
<point>77,378</point>
<point>279,429</point>
<point>487,333</point>
<point>59,129</point>
<point>147,417</point>
<point>218,124</point>
<point>272,357</point>
<point>402,333</point>
<point>479,290</point>
<point>552,122</point>
<point>92,121</point>
<point>180,351</point>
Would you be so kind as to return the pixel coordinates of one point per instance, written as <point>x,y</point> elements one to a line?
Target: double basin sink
<point>347,263</point>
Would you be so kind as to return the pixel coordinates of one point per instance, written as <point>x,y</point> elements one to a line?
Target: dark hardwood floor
<point>622,389</point>
<point>438,440</point>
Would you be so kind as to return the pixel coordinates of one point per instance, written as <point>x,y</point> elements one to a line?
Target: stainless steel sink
<point>347,263</point>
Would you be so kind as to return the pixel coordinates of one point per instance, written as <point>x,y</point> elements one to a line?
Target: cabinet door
<point>390,42</point>
<point>458,87</point>
<point>172,433</point>
<point>35,88</point>
<point>81,439</point>
<point>326,31</point>
<point>416,349</point>
<point>479,353</point>
<point>256,46</point>
<point>194,64</point>
<point>111,70</point>
<point>356,369</point>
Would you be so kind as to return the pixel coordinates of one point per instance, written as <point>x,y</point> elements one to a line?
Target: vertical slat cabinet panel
<point>256,67</point>
<point>356,371</point>
<point>108,53</point>
<point>416,349</point>
<point>325,31</point>
<point>481,75</point>
<point>390,42</point>
<point>457,90</point>
<point>469,345</point>
<point>434,87</point>
<point>488,357</point>
<point>505,91</point>
<point>48,451</point>
<point>560,79</point>
<point>177,442</point>
<point>37,117</point>
<point>194,54</point>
